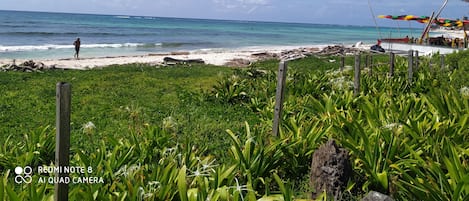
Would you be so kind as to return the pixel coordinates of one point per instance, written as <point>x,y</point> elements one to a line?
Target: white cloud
<point>252,9</point>
<point>254,2</point>
<point>249,5</point>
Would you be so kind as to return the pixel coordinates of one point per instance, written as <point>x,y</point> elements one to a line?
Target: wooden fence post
<point>356,83</point>
<point>417,60</point>
<point>279,96</point>
<point>410,66</point>
<point>392,62</point>
<point>442,61</point>
<point>342,63</point>
<point>430,64</point>
<point>366,60</point>
<point>62,139</point>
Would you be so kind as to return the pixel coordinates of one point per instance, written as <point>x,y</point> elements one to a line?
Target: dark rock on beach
<point>27,66</point>
<point>330,170</point>
<point>287,54</point>
<point>173,61</point>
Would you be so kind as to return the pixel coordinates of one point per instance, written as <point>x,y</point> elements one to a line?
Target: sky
<point>344,12</point>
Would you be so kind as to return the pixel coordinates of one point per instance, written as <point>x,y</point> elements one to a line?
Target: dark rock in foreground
<point>376,196</point>
<point>330,170</point>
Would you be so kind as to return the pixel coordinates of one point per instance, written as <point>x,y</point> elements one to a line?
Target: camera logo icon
<point>23,175</point>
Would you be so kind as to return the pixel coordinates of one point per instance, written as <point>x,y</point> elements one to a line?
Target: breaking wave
<point>18,48</point>
<point>164,45</point>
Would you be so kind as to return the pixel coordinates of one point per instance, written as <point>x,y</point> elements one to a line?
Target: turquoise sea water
<point>29,35</point>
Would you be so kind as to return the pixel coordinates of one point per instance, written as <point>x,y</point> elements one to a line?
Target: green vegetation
<point>204,132</point>
<point>119,100</point>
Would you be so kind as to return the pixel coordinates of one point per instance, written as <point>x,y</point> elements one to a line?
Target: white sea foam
<point>122,17</point>
<point>22,48</point>
<point>18,48</point>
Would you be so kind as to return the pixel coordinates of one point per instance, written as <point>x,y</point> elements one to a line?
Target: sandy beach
<point>47,39</point>
<point>213,57</point>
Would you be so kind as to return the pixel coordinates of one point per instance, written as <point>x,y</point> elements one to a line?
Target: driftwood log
<point>173,61</point>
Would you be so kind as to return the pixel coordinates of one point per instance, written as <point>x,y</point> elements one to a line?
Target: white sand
<point>214,57</point>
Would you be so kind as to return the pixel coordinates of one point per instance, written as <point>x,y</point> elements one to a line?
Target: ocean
<point>30,35</point>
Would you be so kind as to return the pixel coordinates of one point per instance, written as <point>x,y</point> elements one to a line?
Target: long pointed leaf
<point>247,146</point>
<point>237,151</point>
<point>12,195</point>
<point>182,185</point>
<point>2,190</point>
<point>226,174</point>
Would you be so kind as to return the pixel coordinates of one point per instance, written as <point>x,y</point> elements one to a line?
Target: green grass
<point>204,132</point>
<point>119,100</point>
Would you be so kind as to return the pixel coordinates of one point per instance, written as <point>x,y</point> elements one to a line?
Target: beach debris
<point>27,66</point>
<point>180,53</point>
<point>238,62</point>
<point>169,54</point>
<point>265,56</point>
<point>358,44</point>
<point>298,53</point>
<point>173,61</point>
<point>293,54</point>
<point>338,50</point>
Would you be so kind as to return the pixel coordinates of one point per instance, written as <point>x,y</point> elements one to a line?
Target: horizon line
<point>194,18</point>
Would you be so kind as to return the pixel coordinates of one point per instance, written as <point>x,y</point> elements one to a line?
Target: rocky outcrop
<point>330,170</point>
<point>27,66</point>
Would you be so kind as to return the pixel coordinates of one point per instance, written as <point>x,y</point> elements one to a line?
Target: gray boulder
<point>376,196</point>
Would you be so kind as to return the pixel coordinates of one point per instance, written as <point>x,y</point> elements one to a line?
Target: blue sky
<point>351,12</point>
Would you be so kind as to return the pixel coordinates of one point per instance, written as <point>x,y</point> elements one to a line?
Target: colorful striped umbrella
<point>421,19</point>
<point>450,22</point>
<point>424,19</point>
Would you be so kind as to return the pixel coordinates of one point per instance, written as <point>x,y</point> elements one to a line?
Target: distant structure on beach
<point>448,35</point>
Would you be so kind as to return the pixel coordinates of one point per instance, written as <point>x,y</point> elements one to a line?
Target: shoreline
<point>219,57</point>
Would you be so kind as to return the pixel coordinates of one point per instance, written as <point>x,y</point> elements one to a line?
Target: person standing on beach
<point>77,44</point>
